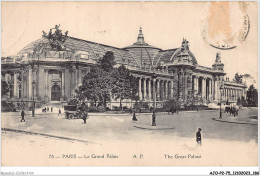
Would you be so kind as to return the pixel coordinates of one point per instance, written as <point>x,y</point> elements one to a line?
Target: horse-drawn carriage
<point>232,109</point>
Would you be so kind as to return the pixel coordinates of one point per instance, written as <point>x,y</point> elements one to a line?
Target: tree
<point>4,88</point>
<point>252,96</point>
<point>125,85</point>
<point>98,83</point>
<point>96,86</point>
<point>107,62</point>
<point>238,78</point>
<point>243,101</point>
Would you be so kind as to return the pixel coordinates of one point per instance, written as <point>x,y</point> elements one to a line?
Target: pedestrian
<point>134,117</point>
<point>84,117</point>
<point>51,109</point>
<point>45,109</point>
<point>23,114</point>
<point>59,113</point>
<point>48,109</point>
<point>198,136</point>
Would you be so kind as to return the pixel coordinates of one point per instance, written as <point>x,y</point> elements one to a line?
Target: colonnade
<point>205,87</point>
<point>22,88</point>
<point>11,78</point>
<point>232,94</point>
<point>161,88</point>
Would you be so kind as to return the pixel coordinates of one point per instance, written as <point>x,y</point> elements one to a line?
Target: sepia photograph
<point>129,84</point>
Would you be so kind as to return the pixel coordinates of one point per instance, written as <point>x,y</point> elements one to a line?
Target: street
<point>229,143</point>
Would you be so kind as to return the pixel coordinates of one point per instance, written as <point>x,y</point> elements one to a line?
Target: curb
<point>237,122</point>
<point>149,127</point>
<point>47,135</point>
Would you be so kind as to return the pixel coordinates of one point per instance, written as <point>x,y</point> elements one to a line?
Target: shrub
<point>7,107</point>
<point>139,105</point>
<point>92,108</point>
<point>115,108</point>
<point>125,108</point>
<point>171,104</point>
<point>101,109</point>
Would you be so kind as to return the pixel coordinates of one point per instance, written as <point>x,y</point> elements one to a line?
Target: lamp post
<point>33,107</point>
<point>154,97</point>
<point>220,111</point>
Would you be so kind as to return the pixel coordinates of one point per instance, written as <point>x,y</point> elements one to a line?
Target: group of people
<point>46,109</point>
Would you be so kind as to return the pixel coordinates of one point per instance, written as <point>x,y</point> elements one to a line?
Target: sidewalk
<point>228,120</point>
<point>242,118</point>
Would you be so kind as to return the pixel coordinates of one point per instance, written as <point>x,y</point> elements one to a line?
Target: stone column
<point>154,92</point>
<point>158,89</point>
<point>45,83</point>
<point>185,86</point>
<point>166,90</point>
<point>235,92</point>
<point>172,89</point>
<point>225,94</point>
<point>71,81</point>
<point>216,88</point>
<point>189,83</point>
<point>49,86</point>
<point>15,85</point>
<point>161,89</point>
<point>180,85</point>
<point>228,94</point>
<point>22,84</point>
<point>145,89</point>
<point>203,88</point>
<point>63,83</point>
<point>77,77</point>
<point>210,89</point>
<point>30,83</point>
<point>6,77</point>
<point>195,84</point>
<point>149,89</point>
<point>80,80</point>
<point>140,89</point>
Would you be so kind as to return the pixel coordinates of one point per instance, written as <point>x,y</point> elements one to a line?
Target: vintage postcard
<point>129,84</point>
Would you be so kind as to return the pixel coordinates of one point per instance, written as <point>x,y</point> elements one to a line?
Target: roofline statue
<point>56,38</point>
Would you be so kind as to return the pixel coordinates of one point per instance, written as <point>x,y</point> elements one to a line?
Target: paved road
<point>222,142</point>
<point>109,127</point>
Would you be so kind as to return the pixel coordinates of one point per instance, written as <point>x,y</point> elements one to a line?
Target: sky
<point>117,24</point>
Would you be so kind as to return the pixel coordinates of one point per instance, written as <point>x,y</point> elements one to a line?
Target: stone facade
<point>45,74</point>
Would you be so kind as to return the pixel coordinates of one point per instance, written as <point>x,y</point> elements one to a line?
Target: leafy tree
<point>107,62</point>
<point>98,83</point>
<point>96,86</point>
<point>243,101</point>
<point>4,88</point>
<point>125,86</point>
<point>238,101</point>
<point>170,105</point>
<point>252,96</point>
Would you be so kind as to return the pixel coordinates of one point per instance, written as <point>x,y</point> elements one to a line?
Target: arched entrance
<point>55,93</point>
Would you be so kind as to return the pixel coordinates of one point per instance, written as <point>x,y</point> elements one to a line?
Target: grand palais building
<point>51,68</point>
